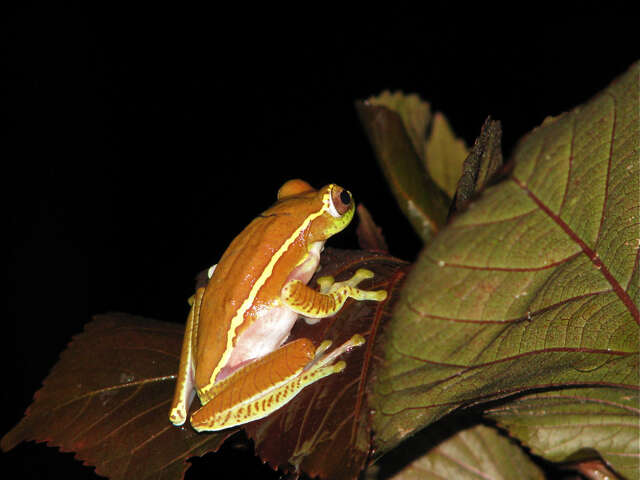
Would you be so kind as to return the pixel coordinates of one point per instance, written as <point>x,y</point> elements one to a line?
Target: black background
<point>140,140</point>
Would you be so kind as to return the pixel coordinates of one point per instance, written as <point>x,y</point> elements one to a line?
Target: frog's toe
<point>377,295</point>
<point>323,347</point>
<point>325,283</point>
<point>177,417</point>
<point>360,275</point>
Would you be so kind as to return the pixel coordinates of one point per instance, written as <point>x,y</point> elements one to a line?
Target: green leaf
<point>444,155</point>
<point>574,424</point>
<point>534,286</point>
<point>396,127</point>
<point>415,115</point>
<point>472,453</point>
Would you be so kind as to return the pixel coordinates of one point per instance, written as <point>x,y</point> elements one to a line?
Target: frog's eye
<point>340,201</point>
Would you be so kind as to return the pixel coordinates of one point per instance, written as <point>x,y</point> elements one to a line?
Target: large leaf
<point>108,397</point>
<point>535,286</point>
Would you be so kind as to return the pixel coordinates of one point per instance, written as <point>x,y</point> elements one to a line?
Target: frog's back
<point>263,250</point>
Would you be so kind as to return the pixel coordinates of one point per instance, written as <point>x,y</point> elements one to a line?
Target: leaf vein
<point>135,417</point>
<point>463,465</point>
<point>593,256</point>
<point>186,454</point>
<point>501,269</point>
<point>115,387</point>
<point>571,148</point>
<point>510,358</point>
<point>106,415</point>
<point>523,318</point>
<point>606,183</point>
<point>580,399</point>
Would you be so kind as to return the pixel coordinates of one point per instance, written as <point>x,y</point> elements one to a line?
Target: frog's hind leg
<point>268,383</point>
<point>245,395</point>
<point>320,360</point>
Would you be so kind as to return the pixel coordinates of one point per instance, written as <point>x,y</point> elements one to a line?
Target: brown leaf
<point>482,163</point>
<point>593,470</point>
<point>325,430</point>
<point>108,397</point>
<point>370,235</point>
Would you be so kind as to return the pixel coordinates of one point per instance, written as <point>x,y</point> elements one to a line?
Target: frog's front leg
<point>263,386</point>
<point>313,304</point>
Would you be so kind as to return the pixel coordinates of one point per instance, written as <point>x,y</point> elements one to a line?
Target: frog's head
<point>326,211</point>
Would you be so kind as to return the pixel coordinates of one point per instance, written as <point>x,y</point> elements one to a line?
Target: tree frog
<point>234,354</point>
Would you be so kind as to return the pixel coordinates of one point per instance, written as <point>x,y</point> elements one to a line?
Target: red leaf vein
<point>593,256</point>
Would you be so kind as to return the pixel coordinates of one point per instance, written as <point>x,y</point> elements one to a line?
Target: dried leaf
<point>594,470</point>
<point>482,163</point>
<point>535,286</point>
<point>370,236</point>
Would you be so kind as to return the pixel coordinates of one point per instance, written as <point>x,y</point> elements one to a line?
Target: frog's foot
<point>178,416</point>
<point>320,359</point>
<point>313,304</point>
<point>328,285</point>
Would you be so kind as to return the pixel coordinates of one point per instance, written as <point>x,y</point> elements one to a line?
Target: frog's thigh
<point>184,391</point>
<point>329,300</point>
<point>257,389</point>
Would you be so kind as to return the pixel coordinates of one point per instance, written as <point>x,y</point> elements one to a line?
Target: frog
<point>235,355</point>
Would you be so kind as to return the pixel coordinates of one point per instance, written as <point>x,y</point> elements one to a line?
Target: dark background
<point>139,142</point>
